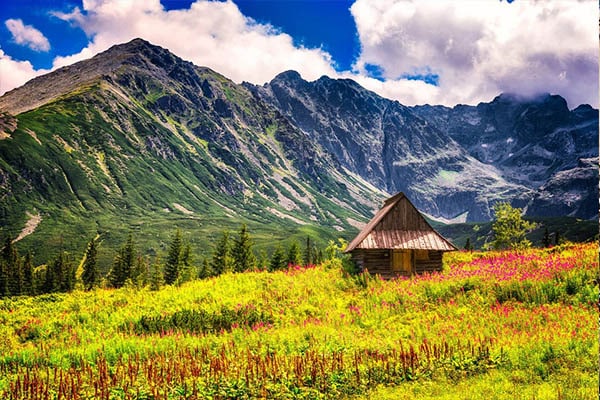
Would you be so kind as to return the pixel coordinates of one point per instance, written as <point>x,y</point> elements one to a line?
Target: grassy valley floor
<point>495,325</point>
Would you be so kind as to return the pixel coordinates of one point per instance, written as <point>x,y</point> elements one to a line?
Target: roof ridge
<point>389,205</point>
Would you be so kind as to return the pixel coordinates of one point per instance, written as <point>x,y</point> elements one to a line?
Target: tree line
<point>231,253</point>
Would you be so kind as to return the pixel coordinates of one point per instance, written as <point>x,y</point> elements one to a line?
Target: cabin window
<point>422,255</point>
<point>402,261</point>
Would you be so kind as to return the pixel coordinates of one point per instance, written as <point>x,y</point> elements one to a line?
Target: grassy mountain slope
<point>151,142</point>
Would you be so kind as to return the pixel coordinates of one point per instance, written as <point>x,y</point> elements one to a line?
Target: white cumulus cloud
<point>27,35</point>
<point>15,73</point>
<point>209,33</point>
<point>480,48</point>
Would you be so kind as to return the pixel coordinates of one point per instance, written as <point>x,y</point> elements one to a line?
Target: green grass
<point>486,327</point>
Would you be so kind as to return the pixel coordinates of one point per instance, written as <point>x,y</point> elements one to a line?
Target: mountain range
<point>137,139</point>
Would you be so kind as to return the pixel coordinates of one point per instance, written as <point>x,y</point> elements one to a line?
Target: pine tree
<point>60,275</point>
<point>156,277</point>
<point>222,261</point>
<point>243,257</point>
<point>3,278</point>
<point>308,253</point>
<point>278,259</point>
<point>139,274</point>
<point>12,278</point>
<point>123,264</point>
<point>262,262</point>
<point>68,274</point>
<point>319,257</point>
<point>546,239</point>
<point>90,267</point>
<point>205,271</point>
<point>173,263</point>
<point>468,245</point>
<point>28,284</point>
<point>188,271</point>
<point>129,256</point>
<point>556,238</point>
<point>294,256</point>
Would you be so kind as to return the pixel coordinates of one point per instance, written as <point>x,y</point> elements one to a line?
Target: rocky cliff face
<point>391,146</point>
<point>571,192</point>
<point>531,141</point>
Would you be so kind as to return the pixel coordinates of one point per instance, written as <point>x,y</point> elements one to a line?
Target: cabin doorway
<point>402,261</point>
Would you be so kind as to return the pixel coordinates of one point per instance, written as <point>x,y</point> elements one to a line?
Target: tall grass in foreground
<point>500,325</point>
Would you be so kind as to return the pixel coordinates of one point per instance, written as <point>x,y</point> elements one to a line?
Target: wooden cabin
<point>398,241</point>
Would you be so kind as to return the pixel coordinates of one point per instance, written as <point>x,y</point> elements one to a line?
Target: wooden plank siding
<point>379,262</point>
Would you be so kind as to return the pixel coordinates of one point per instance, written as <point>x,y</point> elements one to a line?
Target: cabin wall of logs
<point>381,262</point>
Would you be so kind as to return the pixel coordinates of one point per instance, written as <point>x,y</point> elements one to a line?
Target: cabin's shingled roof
<point>399,225</point>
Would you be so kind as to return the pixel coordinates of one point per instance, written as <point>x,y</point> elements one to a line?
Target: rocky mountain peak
<point>287,77</point>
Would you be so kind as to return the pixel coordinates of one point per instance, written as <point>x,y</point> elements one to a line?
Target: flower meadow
<point>493,325</point>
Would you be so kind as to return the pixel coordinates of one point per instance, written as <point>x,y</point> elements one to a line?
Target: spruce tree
<point>60,275</point>
<point>205,270</point>
<point>28,284</point>
<point>308,252</point>
<point>3,278</point>
<point>68,274</point>
<point>546,239</point>
<point>156,277</point>
<point>173,263</point>
<point>129,256</point>
<point>222,261</point>
<point>262,262</point>
<point>12,278</point>
<point>278,259</point>
<point>90,267</point>
<point>294,256</point>
<point>243,257</point>
<point>139,274</point>
<point>188,271</point>
<point>123,264</point>
<point>468,245</point>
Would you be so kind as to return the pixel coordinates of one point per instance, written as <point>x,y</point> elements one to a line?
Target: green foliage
<point>335,250</point>
<point>222,261</point>
<point>60,275</point>
<point>205,270</point>
<point>242,254</point>
<point>198,321</point>
<point>278,259</point>
<point>28,287</point>
<point>468,245</point>
<point>308,252</point>
<point>10,270</point>
<point>90,266</point>
<point>174,263</point>
<point>509,228</point>
<point>156,279</point>
<point>123,264</point>
<point>294,255</point>
<point>546,239</point>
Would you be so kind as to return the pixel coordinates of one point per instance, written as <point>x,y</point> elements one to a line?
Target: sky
<point>417,52</point>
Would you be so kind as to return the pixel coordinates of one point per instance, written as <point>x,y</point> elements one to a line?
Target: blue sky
<point>420,51</point>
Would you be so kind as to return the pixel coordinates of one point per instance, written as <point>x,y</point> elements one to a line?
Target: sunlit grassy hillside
<point>493,325</point>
